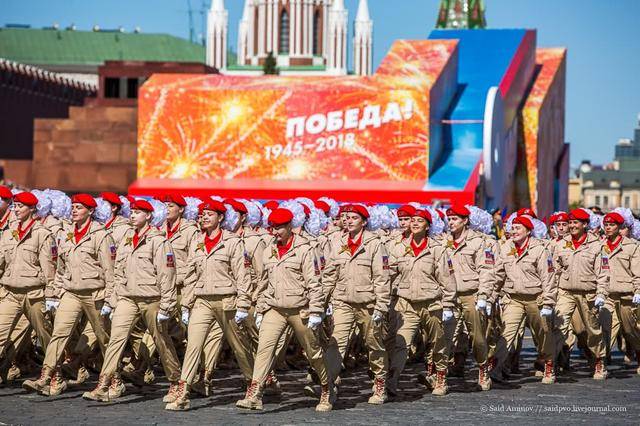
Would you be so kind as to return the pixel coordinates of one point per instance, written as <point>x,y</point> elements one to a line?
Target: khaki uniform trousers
<point>14,307</point>
<point>206,311</point>
<point>68,315</point>
<point>18,342</point>
<point>520,309</point>
<point>620,315</point>
<point>125,317</point>
<point>456,334</point>
<point>581,302</point>
<point>476,323</point>
<point>274,324</point>
<point>411,317</point>
<point>345,318</point>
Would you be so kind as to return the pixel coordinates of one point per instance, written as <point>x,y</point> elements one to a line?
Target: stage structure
<point>473,116</point>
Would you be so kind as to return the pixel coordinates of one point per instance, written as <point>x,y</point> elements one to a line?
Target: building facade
<point>617,184</point>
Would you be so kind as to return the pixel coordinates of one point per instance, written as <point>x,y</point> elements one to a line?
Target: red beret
<point>614,217</point>
<point>558,217</point>
<point>85,199</point>
<point>213,205</point>
<point>526,211</point>
<point>458,210</point>
<point>280,217</point>
<point>406,210</point>
<point>143,205</point>
<point>579,214</point>
<point>26,198</point>
<point>111,197</point>
<point>423,214</point>
<point>322,205</point>
<point>356,208</point>
<point>5,192</point>
<point>172,198</point>
<point>236,205</point>
<point>307,210</point>
<point>272,205</point>
<point>524,221</point>
<point>130,198</point>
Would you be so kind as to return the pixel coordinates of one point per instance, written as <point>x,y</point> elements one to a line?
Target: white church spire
<point>217,26</point>
<point>337,38</point>
<point>363,40</point>
<point>243,33</point>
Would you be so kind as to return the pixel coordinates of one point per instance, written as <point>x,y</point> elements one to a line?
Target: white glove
<point>546,311</point>
<point>481,305</point>
<point>599,302</point>
<point>488,309</point>
<point>329,310</point>
<point>376,317</point>
<point>162,317</point>
<point>241,316</point>
<point>50,305</point>
<point>314,321</point>
<point>185,316</point>
<point>636,299</point>
<point>447,315</point>
<point>106,310</point>
<point>258,321</point>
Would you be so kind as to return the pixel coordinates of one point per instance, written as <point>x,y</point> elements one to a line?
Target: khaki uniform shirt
<point>581,269</point>
<point>361,278</point>
<point>87,264</point>
<point>624,266</point>
<point>119,228</point>
<point>428,276</point>
<point>181,243</point>
<point>254,245</point>
<point>291,281</point>
<point>221,272</point>
<point>532,273</point>
<point>147,270</point>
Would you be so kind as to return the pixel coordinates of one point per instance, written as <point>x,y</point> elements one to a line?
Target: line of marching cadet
<point>116,273</point>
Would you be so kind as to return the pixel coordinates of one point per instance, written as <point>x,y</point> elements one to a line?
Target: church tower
<point>216,44</point>
<point>337,39</point>
<point>363,41</point>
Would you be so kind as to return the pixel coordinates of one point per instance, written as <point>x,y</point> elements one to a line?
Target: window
<point>605,201</point>
<point>132,88</point>
<point>597,200</point>
<point>627,202</point>
<point>283,47</point>
<point>111,87</point>
<point>316,33</point>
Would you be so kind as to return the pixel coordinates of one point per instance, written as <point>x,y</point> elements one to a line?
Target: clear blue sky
<point>603,38</point>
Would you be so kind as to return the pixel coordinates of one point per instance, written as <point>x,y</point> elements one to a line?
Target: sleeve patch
<point>489,259</point>
<point>323,262</point>
<point>550,267</point>
<point>385,262</point>
<point>247,260</point>
<point>54,250</point>
<point>112,250</point>
<point>316,267</point>
<point>605,262</point>
<point>450,264</point>
<point>171,261</point>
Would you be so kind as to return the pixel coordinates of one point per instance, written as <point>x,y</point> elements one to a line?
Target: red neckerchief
<point>79,233</point>
<point>23,232</point>
<point>417,249</point>
<point>172,231</point>
<point>210,243</point>
<point>353,245</point>
<point>137,237</point>
<point>578,243</point>
<point>613,245</point>
<point>520,249</point>
<point>110,222</point>
<point>284,248</point>
<point>4,219</point>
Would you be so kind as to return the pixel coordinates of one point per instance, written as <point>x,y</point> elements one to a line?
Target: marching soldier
<point>624,288</point>
<point>530,293</point>
<point>117,224</point>
<point>356,284</point>
<point>293,298</point>
<point>423,277</point>
<point>84,280</point>
<point>217,290</point>
<point>583,284</point>
<point>145,278</point>
<point>27,250</point>
<point>474,266</point>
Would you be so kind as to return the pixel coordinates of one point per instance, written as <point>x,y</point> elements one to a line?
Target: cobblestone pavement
<point>575,399</point>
